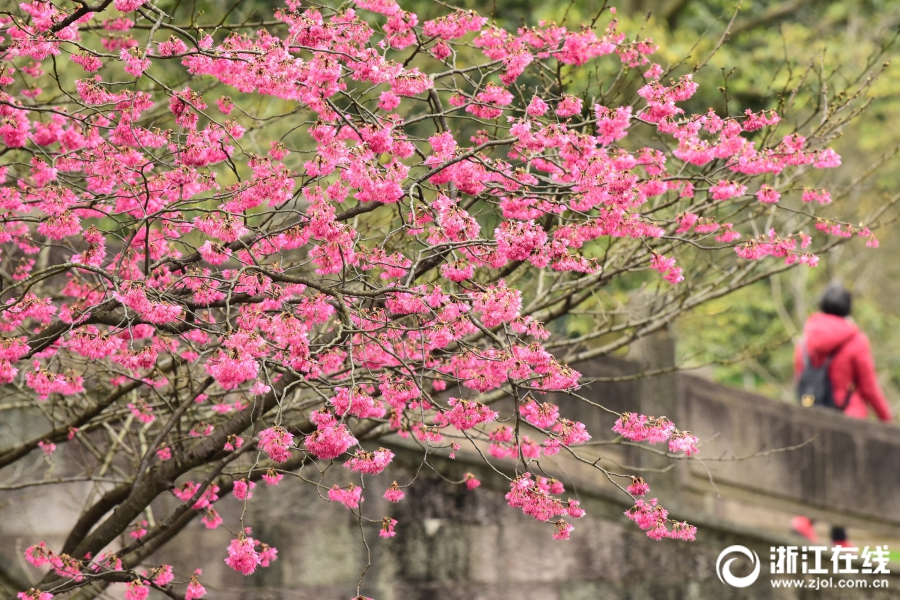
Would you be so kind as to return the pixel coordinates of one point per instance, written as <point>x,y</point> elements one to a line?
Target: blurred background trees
<point>779,53</point>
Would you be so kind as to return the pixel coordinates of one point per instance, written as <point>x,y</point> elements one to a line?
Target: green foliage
<point>798,63</point>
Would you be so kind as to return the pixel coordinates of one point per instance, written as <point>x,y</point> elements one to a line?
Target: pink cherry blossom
<point>394,493</point>
<point>207,267</point>
<point>387,528</point>
<point>194,591</point>
<point>242,489</point>
<point>370,463</point>
<point>242,556</point>
<point>350,496</point>
<point>276,442</point>
<point>136,590</point>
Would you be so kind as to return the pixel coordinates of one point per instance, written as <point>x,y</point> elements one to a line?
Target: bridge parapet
<point>759,456</point>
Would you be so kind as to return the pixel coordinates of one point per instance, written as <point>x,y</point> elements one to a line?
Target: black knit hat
<point>836,300</point>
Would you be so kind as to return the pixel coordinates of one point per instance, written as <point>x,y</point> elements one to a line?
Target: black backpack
<point>814,385</point>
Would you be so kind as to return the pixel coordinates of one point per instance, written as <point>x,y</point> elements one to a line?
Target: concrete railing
<point>759,455</point>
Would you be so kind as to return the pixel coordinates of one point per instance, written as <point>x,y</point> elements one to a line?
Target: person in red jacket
<point>854,383</point>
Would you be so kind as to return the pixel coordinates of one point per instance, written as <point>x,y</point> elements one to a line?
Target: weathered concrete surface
<point>848,470</point>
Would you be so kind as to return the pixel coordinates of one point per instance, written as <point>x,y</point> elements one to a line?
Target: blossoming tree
<point>289,239</point>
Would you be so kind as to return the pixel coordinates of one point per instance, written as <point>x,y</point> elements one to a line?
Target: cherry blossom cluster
<point>188,266</point>
<point>535,499</point>
<point>653,520</point>
<point>68,568</point>
<point>640,428</point>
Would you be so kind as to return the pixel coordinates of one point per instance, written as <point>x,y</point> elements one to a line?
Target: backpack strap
<point>805,354</point>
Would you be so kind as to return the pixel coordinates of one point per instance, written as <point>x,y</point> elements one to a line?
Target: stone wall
<point>454,544</point>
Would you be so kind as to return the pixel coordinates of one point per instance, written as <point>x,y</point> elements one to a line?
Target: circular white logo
<point>724,571</point>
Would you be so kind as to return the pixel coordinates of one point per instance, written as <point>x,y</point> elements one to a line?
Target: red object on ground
<point>804,526</point>
<point>852,364</point>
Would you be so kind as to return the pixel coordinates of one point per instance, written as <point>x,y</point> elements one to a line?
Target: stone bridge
<point>762,461</point>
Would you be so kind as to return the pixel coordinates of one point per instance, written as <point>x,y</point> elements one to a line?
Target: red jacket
<point>852,364</point>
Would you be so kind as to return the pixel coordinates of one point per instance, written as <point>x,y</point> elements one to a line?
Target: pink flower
<point>574,509</point>
<point>135,63</point>
<point>728,235</point>
<point>47,446</point>
<point>242,556</point>
<point>638,428</point>
<point>821,196</point>
<point>654,72</point>
<point>652,519</point>
<point>540,415</point>
<point>128,5</point>
<point>388,101</point>
<point>230,370</point>
<point>411,83</point>
<point>358,403</point>
<point>569,106</point>
<point>242,489</point>
<point>370,463</point>
<point>189,488</point>
<point>38,555</point>
<point>272,478</point>
<point>214,254</point>
<point>683,441</point>
<point>12,349</point>
<point>233,442</point>
<point>724,190</point>
<point>527,495</point>
<point>465,414</point>
<point>440,51</point>
<point>225,105</point>
<point>563,530</point>
<point>638,487</point>
<point>827,159</point>
<point>767,195</point>
<point>194,591</point>
<point>471,481</point>
<point>455,25</point>
<point>458,270</point>
<point>330,442</point>
<point>666,266</point>
<point>571,432</point>
<point>683,531</point>
<point>136,590</point>
<point>163,575</point>
<point>34,594</point>
<point>488,102</point>
<point>536,108</point>
<point>394,493</point>
<point>142,412</point>
<point>387,527</point>
<point>349,497</point>
<point>276,442</point>
<point>140,530</point>
<point>499,304</point>
<point>267,555</point>
<point>686,222</point>
<point>211,519</point>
